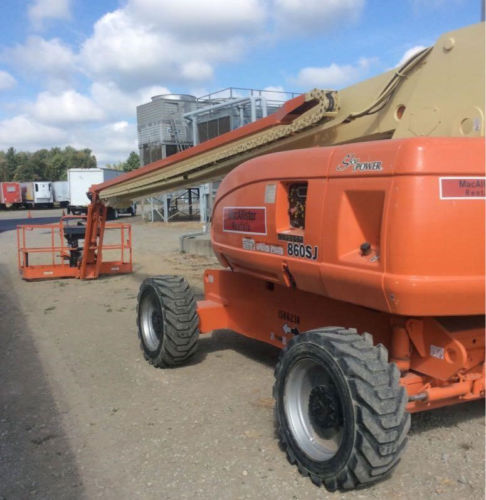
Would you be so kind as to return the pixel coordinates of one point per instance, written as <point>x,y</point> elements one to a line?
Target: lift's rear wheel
<point>167,320</point>
<point>340,409</point>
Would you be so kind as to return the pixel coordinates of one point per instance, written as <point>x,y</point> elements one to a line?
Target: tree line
<point>52,164</point>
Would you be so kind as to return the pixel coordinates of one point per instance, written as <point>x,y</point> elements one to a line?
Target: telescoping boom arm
<point>437,92</point>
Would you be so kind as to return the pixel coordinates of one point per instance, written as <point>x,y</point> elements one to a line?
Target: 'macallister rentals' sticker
<point>251,244</point>
<point>462,188</point>
<point>250,220</point>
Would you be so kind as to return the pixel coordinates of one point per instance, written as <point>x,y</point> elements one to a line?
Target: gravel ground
<point>82,415</point>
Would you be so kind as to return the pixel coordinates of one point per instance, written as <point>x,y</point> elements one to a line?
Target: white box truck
<point>81,179</point>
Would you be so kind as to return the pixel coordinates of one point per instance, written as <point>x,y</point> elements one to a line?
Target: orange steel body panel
<point>445,355</point>
<point>392,243</point>
<point>408,198</point>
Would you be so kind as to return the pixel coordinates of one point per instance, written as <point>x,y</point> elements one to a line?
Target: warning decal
<point>251,220</point>
<point>462,188</point>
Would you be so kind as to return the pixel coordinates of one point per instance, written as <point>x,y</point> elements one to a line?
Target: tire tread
<point>382,422</point>
<point>180,320</point>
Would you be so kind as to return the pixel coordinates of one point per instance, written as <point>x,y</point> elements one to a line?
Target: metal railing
<point>59,261</point>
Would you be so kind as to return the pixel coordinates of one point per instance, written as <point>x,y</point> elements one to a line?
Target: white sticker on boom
<point>436,351</point>
<point>270,190</point>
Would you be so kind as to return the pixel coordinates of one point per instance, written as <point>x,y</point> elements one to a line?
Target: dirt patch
<point>83,415</point>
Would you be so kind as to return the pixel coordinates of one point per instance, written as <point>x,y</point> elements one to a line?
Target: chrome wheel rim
<point>313,409</point>
<point>151,324</point>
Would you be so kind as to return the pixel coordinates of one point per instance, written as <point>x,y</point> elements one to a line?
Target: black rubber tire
<point>177,323</point>
<point>372,404</point>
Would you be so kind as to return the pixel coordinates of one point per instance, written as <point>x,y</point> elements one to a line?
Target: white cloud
<point>120,126</point>
<point>308,17</point>
<point>71,118</point>
<point>162,42</point>
<point>196,19</point>
<point>142,48</point>
<point>409,53</point>
<point>64,108</point>
<point>111,142</point>
<point>40,10</point>
<point>39,58</point>
<point>333,76</point>
<point>23,132</point>
<point>7,81</point>
<point>276,93</point>
<point>118,104</point>
<point>195,71</point>
<point>129,53</point>
<point>177,42</point>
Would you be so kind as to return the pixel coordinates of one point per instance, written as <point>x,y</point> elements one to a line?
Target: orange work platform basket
<point>74,248</point>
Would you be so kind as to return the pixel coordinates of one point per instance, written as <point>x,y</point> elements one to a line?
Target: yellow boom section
<point>438,92</point>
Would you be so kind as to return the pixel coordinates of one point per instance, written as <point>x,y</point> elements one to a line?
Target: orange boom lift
<point>363,260</point>
<point>385,239</point>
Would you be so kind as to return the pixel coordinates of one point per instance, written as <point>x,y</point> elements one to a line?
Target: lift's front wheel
<point>340,409</point>
<point>167,320</point>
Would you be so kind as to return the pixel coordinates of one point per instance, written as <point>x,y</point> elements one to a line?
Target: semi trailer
<point>37,194</point>
<point>61,193</point>
<point>10,194</point>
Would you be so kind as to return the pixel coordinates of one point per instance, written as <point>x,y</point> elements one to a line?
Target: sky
<point>73,71</point>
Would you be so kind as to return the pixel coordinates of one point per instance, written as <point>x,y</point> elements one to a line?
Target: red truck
<point>10,194</point>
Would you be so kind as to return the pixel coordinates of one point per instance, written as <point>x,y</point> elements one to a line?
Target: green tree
<point>12,163</point>
<point>132,162</point>
<point>39,164</point>
<point>44,164</point>
<point>25,170</point>
<point>79,158</point>
<point>3,167</point>
<point>56,165</point>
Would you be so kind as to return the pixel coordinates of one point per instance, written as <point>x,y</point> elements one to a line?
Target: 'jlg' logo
<point>350,160</point>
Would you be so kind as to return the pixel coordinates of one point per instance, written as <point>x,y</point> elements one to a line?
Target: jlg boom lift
<point>367,214</point>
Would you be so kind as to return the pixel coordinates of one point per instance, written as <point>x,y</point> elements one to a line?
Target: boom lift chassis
<point>258,309</point>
